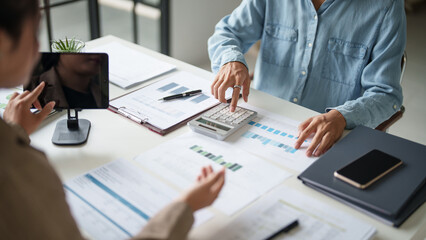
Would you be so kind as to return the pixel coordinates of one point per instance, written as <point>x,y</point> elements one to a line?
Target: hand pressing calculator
<point>219,122</point>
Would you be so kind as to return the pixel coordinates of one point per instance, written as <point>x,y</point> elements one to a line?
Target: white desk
<point>112,137</point>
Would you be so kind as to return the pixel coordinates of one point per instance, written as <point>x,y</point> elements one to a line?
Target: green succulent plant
<point>67,45</point>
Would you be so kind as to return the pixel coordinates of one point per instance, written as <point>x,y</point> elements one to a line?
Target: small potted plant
<point>67,45</point>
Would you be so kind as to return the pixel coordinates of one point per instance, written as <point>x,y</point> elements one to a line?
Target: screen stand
<point>71,131</point>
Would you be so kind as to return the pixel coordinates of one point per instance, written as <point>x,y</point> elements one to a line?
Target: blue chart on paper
<point>174,88</point>
<point>268,141</point>
<point>272,130</point>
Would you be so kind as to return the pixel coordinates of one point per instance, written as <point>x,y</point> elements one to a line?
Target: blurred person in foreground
<point>32,203</point>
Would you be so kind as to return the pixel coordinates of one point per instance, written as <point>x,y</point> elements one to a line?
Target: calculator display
<point>216,125</point>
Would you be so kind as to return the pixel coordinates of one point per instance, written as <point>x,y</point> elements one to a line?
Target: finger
<point>214,83</point>
<point>32,96</point>
<point>215,177</point>
<point>204,172</point>
<point>304,125</point>
<point>210,169</point>
<point>235,97</point>
<point>325,142</point>
<point>305,134</point>
<point>216,87</point>
<point>46,110</point>
<point>236,92</point>
<point>246,89</point>
<point>217,187</point>
<point>37,104</point>
<point>199,178</point>
<point>222,90</point>
<point>23,95</point>
<point>13,96</point>
<point>314,144</point>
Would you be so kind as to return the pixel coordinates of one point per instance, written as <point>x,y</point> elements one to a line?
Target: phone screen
<point>368,167</point>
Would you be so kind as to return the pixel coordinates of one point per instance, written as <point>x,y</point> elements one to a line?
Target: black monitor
<point>74,81</point>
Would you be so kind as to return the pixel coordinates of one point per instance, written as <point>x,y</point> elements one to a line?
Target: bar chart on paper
<point>265,141</point>
<point>174,88</point>
<point>182,158</point>
<point>273,137</point>
<point>217,159</point>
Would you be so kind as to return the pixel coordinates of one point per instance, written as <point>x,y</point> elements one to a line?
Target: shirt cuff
<point>350,116</point>
<point>231,56</point>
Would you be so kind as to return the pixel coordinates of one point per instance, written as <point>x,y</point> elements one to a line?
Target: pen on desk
<point>285,229</point>
<point>181,95</point>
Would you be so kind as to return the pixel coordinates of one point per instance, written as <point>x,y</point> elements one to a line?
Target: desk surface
<point>112,137</point>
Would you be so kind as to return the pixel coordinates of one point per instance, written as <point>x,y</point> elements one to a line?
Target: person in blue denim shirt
<point>338,57</point>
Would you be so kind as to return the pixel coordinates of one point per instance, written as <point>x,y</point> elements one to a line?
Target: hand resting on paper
<point>327,129</point>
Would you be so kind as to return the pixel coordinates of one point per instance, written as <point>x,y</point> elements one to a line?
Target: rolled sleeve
<point>236,33</point>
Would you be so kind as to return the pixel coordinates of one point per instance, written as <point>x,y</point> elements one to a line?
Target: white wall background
<point>192,23</point>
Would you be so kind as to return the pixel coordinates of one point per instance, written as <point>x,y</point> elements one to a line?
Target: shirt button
<point>294,99</point>
<point>310,44</point>
<point>303,73</point>
<point>315,17</point>
<point>394,106</point>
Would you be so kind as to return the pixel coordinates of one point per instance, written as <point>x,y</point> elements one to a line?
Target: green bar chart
<point>216,158</point>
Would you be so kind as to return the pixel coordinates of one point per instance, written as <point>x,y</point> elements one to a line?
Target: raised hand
<point>18,109</point>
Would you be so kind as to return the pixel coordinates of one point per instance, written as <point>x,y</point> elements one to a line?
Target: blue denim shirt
<point>345,56</point>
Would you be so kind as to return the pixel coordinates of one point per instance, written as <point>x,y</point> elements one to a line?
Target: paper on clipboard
<point>143,105</point>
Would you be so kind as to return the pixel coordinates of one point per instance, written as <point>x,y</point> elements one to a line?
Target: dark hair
<point>13,13</point>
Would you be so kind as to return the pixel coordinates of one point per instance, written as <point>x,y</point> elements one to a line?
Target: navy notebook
<point>390,198</point>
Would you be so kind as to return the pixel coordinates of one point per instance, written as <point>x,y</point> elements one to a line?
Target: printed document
<point>273,136</point>
<point>128,67</point>
<point>145,104</point>
<point>317,221</point>
<point>116,200</point>
<point>247,177</point>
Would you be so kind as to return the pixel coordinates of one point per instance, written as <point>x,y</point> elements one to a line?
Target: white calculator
<point>219,122</point>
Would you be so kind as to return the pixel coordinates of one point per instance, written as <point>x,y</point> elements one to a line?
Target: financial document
<point>317,221</point>
<point>273,137</point>
<point>180,160</point>
<point>145,104</point>
<point>116,200</point>
<point>128,67</point>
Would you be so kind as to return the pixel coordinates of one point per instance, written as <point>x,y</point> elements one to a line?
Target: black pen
<point>181,95</point>
<point>285,229</point>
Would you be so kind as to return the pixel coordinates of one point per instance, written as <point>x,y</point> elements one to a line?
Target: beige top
<point>32,198</point>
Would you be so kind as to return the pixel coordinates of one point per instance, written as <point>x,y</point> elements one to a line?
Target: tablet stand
<point>71,131</point>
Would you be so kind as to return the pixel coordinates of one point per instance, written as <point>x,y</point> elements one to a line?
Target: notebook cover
<point>389,195</point>
<point>417,201</point>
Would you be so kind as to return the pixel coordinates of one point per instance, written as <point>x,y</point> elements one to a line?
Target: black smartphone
<point>367,169</point>
<point>73,80</point>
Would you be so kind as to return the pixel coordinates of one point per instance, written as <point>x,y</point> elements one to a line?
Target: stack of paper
<point>116,200</point>
<point>128,67</point>
<point>317,221</point>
